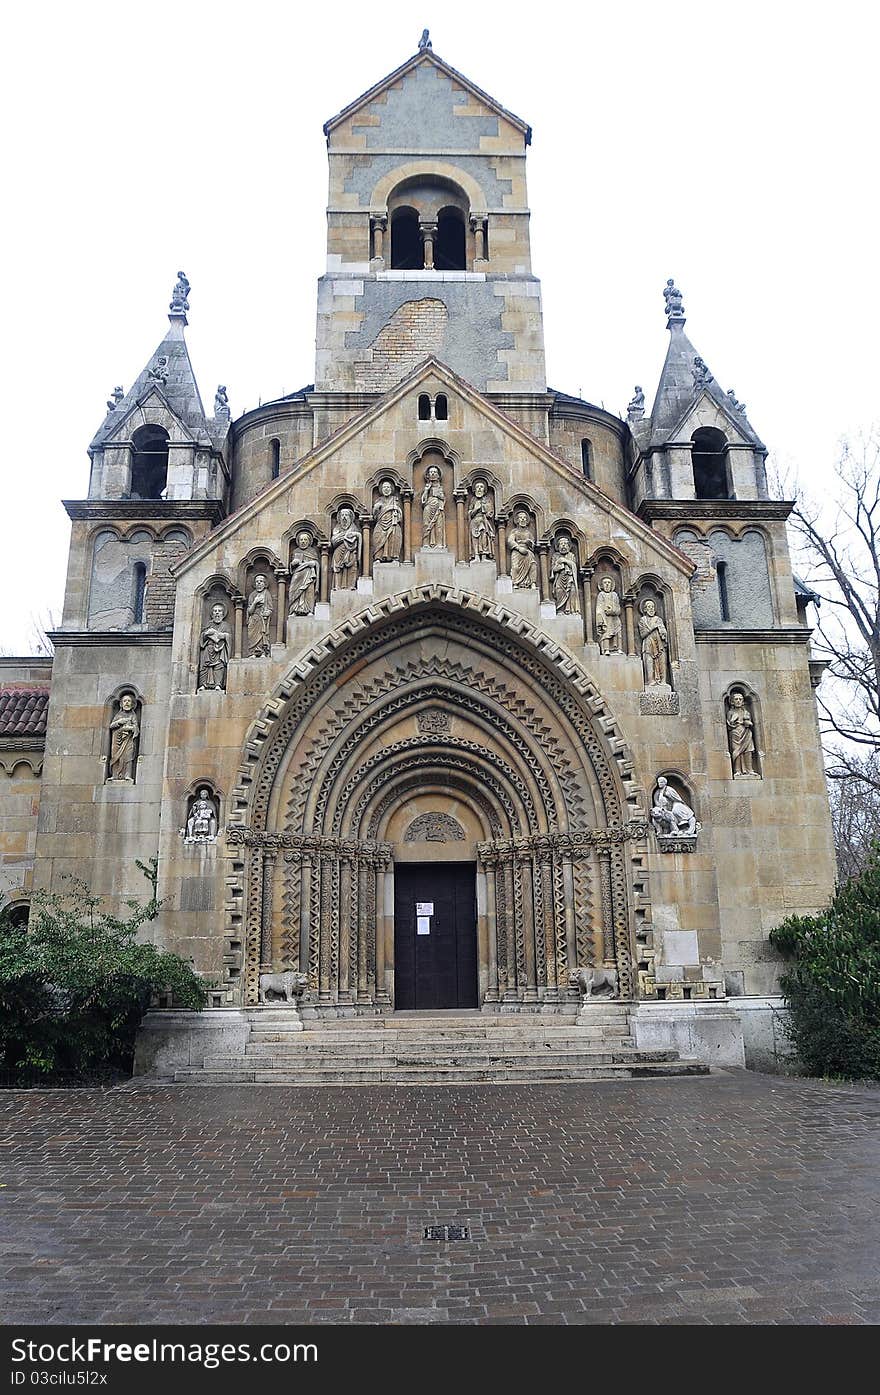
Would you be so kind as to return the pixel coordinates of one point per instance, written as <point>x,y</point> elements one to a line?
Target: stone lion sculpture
<point>290,984</point>
<point>592,981</point>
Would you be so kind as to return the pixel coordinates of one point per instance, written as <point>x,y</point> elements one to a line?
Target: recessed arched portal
<point>436,730</point>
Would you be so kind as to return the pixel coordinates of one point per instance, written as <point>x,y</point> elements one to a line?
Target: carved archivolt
<point>538,757</point>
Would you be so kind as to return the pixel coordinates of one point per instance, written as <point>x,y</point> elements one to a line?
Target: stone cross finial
<point>114,401</point>
<point>702,376</point>
<point>636,408</point>
<point>425,41</point>
<point>674,304</point>
<point>180,295</point>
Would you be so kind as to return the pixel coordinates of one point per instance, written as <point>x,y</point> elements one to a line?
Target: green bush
<point>74,983</point>
<point>832,984</point>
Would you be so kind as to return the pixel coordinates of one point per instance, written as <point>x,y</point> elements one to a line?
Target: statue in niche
<point>564,578</point>
<point>481,516</point>
<point>387,524</point>
<point>671,814</point>
<point>215,648</point>
<point>124,732</point>
<point>201,826</point>
<point>608,617</point>
<point>259,618</point>
<point>345,551</point>
<point>521,544</point>
<point>433,509</point>
<point>655,645</point>
<point>304,568</point>
<point>741,735</point>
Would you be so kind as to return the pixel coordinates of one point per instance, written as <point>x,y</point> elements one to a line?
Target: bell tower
<point>428,238</point>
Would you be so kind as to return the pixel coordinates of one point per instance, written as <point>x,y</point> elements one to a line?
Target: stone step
<point>433,1075</point>
<point>507,1061</point>
<point>476,1040</point>
<point>429,1050</point>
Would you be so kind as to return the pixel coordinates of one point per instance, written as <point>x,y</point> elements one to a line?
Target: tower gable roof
<point>678,394</point>
<point>179,390</point>
<point>427,57</point>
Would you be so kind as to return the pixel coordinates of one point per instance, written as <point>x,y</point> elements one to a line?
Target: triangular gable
<point>152,395</point>
<point>677,396</point>
<point>427,56</point>
<point>433,368</point>
<point>179,393</point>
<point>737,422</point>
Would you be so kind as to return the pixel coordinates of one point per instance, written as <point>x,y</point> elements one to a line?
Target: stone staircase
<point>438,1048</point>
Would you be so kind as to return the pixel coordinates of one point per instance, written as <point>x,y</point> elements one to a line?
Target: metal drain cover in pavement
<point>447,1232</point>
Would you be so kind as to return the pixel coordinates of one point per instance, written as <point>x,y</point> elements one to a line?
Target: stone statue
<point>741,735</point>
<point>259,618</point>
<point>636,408</point>
<point>345,551</point>
<point>735,405</point>
<point>671,815</point>
<point>201,826</point>
<point>590,981</point>
<point>521,544</point>
<point>702,376</point>
<point>481,516</point>
<point>674,304</point>
<point>425,40</point>
<point>124,732</point>
<point>433,509</point>
<point>304,569</point>
<point>221,401</point>
<point>215,648</point>
<point>564,578</point>
<point>290,985</point>
<point>387,524</point>
<point>115,400</point>
<point>159,372</point>
<point>180,295</point>
<point>608,617</point>
<point>655,645</point>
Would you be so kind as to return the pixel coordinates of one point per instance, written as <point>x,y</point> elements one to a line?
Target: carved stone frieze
<point>434,828</point>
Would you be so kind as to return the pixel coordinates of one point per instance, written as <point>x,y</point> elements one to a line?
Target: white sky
<point>731,147</point>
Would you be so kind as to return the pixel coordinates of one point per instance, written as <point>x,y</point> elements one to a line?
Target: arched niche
<point>149,462</point>
<point>711,465</point>
<point>202,813</point>
<point>123,718</point>
<point>744,730</point>
<point>218,607</point>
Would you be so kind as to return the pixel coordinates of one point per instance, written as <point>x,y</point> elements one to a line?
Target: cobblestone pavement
<point>738,1198</point>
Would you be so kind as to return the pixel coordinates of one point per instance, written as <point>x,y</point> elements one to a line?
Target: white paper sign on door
<point>423,925</point>
<point>424,908</point>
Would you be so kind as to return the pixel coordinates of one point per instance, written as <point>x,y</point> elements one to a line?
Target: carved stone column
<point>510,919</point>
<point>377,230</point>
<point>328,908</point>
<point>407,528</point>
<point>586,577</point>
<point>238,602</point>
<point>523,924</point>
<point>478,228</point>
<point>607,907</point>
<point>429,232</point>
<point>366,545</point>
<point>347,923</point>
<point>269,856</point>
<point>503,561</point>
<point>543,549</point>
<point>489,863</point>
<point>629,623</point>
<point>281,576</point>
<point>379,966</point>
<point>324,593</point>
<point>366,898</point>
<point>462,550</point>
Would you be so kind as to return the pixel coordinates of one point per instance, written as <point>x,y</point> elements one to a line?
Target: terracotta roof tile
<point>23,710</point>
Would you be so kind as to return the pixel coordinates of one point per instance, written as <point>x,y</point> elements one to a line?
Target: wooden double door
<point>435,935</point>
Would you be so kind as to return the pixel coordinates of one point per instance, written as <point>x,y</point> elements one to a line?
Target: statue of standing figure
<point>564,578</point>
<point>387,524</point>
<point>608,617</point>
<point>433,509</point>
<point>481,516</point>
<point>259,618</point>
<point>201,826</point>
<point>345,551</point>
<point>124,732</point>
<point>521,544</point>
<point>304,570</point>
<point>215,648</point>
<point>741,735</point>
<point>655,645</point>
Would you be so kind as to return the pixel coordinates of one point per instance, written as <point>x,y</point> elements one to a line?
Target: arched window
<point>450,251</point>
<point>18,915</point>
<point>407,253</point>
<point>587,458</point>
<point>709,455</point>
<point>441,408</point>
<point>275,456</point>
<point>424,407</point>
<point>140,592</point>
<point>149,462</point>
<point>723,594</point>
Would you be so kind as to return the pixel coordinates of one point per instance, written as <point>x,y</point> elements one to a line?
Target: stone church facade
<point>430,634</point>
